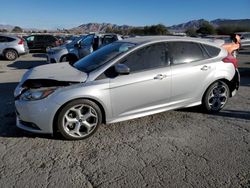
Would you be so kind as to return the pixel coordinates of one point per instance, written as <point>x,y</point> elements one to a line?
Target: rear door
<point>39,42</point>
<point>148,85</point>
<point>191,71</point>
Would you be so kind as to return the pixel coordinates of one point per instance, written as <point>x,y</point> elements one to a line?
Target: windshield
<point>101,56</point>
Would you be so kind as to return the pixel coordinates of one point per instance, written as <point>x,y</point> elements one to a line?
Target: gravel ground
<point>182,148</point>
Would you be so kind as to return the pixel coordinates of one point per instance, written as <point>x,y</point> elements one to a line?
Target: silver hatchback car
<point>125,80</point>
<point>11,47</point>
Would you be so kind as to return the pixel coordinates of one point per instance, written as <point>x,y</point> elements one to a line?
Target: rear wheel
<point>79,119</point>
<point>10,54</point>
<point>216,97</point>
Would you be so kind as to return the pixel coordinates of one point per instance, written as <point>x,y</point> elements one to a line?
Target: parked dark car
<point>42,42</point>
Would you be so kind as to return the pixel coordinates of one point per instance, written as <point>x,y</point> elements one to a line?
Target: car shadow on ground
<point>8,116</point>
<point>40,55</point>
<point>27,64</point>
<point>2,58</point>
<point>244,76</point>
<point>243,115</point>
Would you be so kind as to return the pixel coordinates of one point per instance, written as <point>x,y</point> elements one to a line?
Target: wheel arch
<point>55,129</point>
<point>229,84</point>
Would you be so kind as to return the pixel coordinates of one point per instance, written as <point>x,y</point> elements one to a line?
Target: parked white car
<point>11,47</point>
<point>80,48</point>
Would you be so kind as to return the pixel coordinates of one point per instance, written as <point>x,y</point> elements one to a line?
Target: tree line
<point>205,29</point>
<point>208,29</point>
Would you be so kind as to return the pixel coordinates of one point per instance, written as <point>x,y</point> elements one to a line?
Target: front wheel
<point>79,119</point>
<point>215,97</point>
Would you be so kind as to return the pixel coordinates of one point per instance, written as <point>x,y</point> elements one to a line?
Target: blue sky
<point>51,14</point>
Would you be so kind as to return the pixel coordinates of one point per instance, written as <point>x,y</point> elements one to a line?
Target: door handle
<point>205,68</point>
<point>160,76</point>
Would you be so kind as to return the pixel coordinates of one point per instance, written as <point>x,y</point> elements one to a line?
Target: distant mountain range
<point>216,23</point>
<point>102,27</point>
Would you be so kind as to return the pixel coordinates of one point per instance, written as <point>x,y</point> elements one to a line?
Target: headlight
<point>32,95</point>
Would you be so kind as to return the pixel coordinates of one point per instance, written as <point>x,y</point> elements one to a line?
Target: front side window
<point>185,52</point>
<point>150,57</point>
<point>88,40</point>
<point>102,56</point>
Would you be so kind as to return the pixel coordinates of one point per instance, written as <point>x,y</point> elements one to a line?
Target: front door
<point>147,87</point>
<point>86,46</point>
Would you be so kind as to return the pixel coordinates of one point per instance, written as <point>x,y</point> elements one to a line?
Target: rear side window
<point>10,39</point>
<point>39,38</point>
<point>50,38</point>
<point>6,39</point>
<point>185,52</point>
<point>108,39</point>
<point>211,50</point>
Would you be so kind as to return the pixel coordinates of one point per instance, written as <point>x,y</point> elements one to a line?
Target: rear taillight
<point>21,41</point>
<point>231,59</point>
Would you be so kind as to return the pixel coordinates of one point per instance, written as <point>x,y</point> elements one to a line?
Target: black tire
<point>68,129</point>
<point>64,58</point>
<point>10,54</point>
<point>71,59</point>
<point>216,97</point>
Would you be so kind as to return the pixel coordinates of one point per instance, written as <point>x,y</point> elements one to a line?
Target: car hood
<point>52,75</point>
<point>57,71</point>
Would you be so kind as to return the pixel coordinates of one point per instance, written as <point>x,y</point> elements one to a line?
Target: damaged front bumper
<point>36,116</point>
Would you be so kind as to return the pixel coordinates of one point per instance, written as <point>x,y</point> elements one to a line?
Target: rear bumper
<point>235,83</point>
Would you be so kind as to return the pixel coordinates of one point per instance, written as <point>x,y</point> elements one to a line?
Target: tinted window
<point>87,40</point>
<point>185,52</point>
<point>149,57</point>
<point>50,38</point>
<point>108,39</point>
<point>2,39</point>
<point>6,39</point>
<point>211,50</point>
<point>39,38</point>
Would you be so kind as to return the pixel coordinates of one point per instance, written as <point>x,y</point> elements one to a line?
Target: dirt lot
<point>183,148</point>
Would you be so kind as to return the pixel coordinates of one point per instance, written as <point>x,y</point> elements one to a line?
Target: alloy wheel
<point>80,120</point>
<point>217,97</point>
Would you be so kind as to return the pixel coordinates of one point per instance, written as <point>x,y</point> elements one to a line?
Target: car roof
<point>151,39</point>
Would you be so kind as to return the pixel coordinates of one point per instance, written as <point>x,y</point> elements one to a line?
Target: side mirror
<point>77,45</point>
<point>122,69</point>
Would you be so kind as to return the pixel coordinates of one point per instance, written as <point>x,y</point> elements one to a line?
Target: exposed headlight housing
<point>33,95</point>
